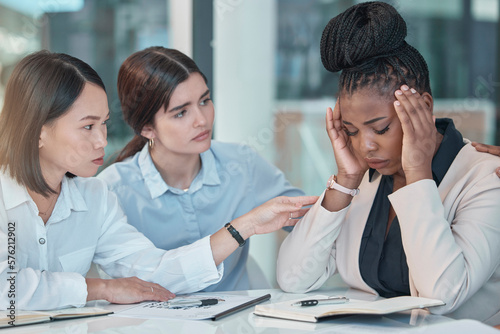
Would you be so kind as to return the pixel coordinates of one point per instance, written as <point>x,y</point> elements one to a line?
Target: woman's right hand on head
<point>347,162</point>
<point>126,290</point>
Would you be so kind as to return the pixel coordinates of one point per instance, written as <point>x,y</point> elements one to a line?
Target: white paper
<point>152,310</point>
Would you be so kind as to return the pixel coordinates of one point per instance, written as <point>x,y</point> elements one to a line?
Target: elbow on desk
<point>292,283</point>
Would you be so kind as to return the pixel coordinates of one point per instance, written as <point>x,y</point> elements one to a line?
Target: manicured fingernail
<point>397,103</point>
<point>404,87</point>
<point>398,92</point>
<point>413,91</point>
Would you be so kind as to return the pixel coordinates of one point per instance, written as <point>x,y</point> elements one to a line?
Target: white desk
<point>245,322</point>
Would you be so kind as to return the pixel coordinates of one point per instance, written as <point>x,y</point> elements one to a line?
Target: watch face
<point>330,182</point>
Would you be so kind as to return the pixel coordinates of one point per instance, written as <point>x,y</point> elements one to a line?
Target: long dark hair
<point>146,81</point>
<point>42,88</point>
<point>367,43</point>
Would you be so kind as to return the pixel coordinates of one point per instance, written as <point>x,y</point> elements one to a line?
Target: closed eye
<point>349,133</point>
<point>381,132</point>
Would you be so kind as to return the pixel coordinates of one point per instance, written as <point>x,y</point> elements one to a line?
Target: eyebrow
<point>188,103</point>
<point>367,122</point>
<point>93,118</point>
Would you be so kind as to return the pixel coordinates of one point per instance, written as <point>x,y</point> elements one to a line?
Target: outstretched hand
<point>345,158</point>
<point>276,213</point>
<point>419,134</point>
<point>126,290</point>
<point>495,150</point>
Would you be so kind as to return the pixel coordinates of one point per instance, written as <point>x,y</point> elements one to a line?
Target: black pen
<point>192,302</point>
<point>326,301</point>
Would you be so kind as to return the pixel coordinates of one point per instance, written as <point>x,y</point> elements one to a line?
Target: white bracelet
<point>332,184</point>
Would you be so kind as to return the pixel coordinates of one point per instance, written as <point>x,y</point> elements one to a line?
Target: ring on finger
<point>291,216</point>
<point>152,290</point>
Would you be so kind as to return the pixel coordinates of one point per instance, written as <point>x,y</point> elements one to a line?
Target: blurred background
<point>262,61</point>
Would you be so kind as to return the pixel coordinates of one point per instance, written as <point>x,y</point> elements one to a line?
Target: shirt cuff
<point>190,268</point>
<point>47,290</point>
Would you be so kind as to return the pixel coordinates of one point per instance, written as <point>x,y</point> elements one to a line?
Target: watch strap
<point>236,235</point>
<point>332,184</point>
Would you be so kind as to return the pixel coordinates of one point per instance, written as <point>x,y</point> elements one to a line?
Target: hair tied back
<point>362,33</point>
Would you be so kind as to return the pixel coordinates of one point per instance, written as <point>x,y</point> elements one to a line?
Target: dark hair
<point>367,43</point>
<point>146,81</point>
<point>42,88</point>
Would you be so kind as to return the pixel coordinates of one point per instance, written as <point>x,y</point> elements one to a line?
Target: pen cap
<point>206,302</point>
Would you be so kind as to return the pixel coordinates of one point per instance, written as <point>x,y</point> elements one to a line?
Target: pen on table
<point>326,301</point>
<point>192,302</point>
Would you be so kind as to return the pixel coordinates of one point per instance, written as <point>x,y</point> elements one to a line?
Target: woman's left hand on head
<point>419,134</point>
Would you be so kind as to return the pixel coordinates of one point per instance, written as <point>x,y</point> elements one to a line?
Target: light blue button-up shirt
<point>233,180</point>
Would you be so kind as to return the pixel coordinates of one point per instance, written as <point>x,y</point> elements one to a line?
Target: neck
<point>177,171</point>
<point>44,204</point>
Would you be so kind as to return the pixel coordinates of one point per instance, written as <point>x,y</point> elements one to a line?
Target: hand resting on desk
<point>126,290</point>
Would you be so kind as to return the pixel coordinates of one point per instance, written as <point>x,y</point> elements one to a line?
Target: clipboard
<point>229,304</point>
<point>241,307</point>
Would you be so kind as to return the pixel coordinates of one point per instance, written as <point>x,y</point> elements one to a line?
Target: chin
<point>86,173</point>
<point>205,146</point>
<point>387,171</point>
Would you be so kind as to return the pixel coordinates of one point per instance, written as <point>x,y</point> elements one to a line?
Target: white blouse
<point>43,266</point>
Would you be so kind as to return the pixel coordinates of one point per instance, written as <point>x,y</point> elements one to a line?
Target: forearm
<point>224,244</point>
<point>335,200</point>
<point>307,256</point>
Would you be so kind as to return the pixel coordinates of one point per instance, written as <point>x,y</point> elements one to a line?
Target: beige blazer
<point>450,234</point>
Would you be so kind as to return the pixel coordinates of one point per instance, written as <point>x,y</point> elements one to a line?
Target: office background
<point>262,61</point>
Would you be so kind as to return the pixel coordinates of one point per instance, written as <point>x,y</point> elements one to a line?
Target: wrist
<point>244,227</point>
<point>351,181</point>
<point>414,176</point>
<point>96,289</point>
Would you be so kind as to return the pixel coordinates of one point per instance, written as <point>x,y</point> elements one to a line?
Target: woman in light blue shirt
<point>55,220</point>
<point>174,183</point>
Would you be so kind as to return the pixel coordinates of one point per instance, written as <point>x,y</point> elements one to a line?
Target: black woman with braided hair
<point>414,208</point>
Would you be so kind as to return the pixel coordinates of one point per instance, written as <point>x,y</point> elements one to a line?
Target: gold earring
<point>151,143</point>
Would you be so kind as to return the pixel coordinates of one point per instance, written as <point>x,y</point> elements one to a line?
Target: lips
<point>375,163</point>
<point>202,136</point>
<point>99,161</point>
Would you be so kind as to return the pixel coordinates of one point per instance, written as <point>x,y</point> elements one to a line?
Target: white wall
<point>181,25</point>
<point>244,86</point>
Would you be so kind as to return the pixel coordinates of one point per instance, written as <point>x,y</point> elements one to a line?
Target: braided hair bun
<point>367,43</point>
<point>363,31</point>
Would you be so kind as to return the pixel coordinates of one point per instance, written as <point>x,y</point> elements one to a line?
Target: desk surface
<point>246,322</point>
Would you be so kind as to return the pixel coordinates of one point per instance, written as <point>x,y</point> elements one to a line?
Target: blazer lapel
<point>349,240</point>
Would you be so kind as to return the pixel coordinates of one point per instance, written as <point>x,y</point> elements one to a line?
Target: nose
<point>100,140</point>
<point>200,118</point>
<point>367,143</point>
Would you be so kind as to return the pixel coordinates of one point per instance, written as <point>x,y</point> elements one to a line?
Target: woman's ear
<point>429,101</point>
<point>43,135</point>
<point>148,132</point>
